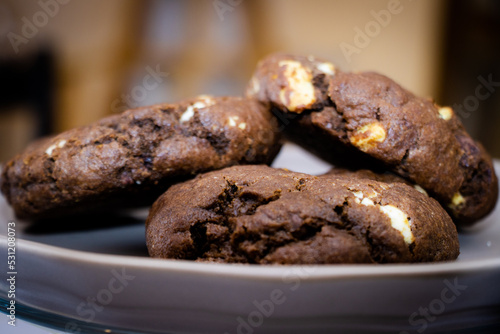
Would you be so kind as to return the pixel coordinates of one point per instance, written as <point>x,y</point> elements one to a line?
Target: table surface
<point>25,327</point>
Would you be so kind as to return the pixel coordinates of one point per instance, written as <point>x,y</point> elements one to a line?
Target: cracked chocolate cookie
<point>366,120</point>
<point>258,214</point>
<point>131,158</point>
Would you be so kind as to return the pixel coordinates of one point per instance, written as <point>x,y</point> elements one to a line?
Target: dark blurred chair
<point>471,60</point>
<point>30,81</point>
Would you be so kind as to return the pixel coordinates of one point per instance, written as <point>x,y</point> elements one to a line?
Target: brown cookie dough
<point>131,158</point>
<point>366,120</point>
<point>262,215</point>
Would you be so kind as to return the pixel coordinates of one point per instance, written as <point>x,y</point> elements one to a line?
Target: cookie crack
<point>219,142</point>
<point>403,163</point>
<point>222,202</point>
<point>49,169</point>
<point>228,205</point>
<point>301,184</point>
<point>273,239</point>
<point>347,225</point>
<point>148,124</point>
<point>405,157</point>
<point>199,238</point>
<point>232,203</point>
<point>321,83</point>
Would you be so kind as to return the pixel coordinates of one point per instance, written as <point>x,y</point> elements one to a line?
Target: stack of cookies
<point>407,173</point>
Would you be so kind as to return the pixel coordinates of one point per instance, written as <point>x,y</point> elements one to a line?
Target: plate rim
<point>256,271</point>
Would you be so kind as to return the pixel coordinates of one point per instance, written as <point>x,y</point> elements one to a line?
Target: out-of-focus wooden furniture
<point>471,68</point>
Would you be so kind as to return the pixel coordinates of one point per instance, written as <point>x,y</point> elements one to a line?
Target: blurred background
<point>68,63</point>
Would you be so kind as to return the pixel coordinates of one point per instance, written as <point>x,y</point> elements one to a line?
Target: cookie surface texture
<point>131,158</point>
<point>366,120</point>
<point>262,215</point>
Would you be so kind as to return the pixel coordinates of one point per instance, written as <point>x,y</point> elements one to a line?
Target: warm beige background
<point>103,48</point>
<point>406,49</point>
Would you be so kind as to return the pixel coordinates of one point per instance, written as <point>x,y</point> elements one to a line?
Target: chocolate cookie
<point>366,120</point>
<point>131,158</point>
<point>258,214</point>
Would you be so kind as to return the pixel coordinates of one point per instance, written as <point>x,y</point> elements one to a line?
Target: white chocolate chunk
<point>187,115</point>
<point>199,105</point>
<point>327,68</point>
<point>445,113</point>
<point>420,189</point>
<point>399,221</point>
<point>206,101</point>
<point>359,194</point>
<point>300,88</point>
<point>232,120</point>
<point>368,136</point>
<point>457,201</point>
<point>363,199</point>
<point>242,126</point>
<point>367,202</point>
<point>203,101</point>
<point>51,148</point>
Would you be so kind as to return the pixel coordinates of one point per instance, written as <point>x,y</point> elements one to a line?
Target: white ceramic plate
<point>101,279</point>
